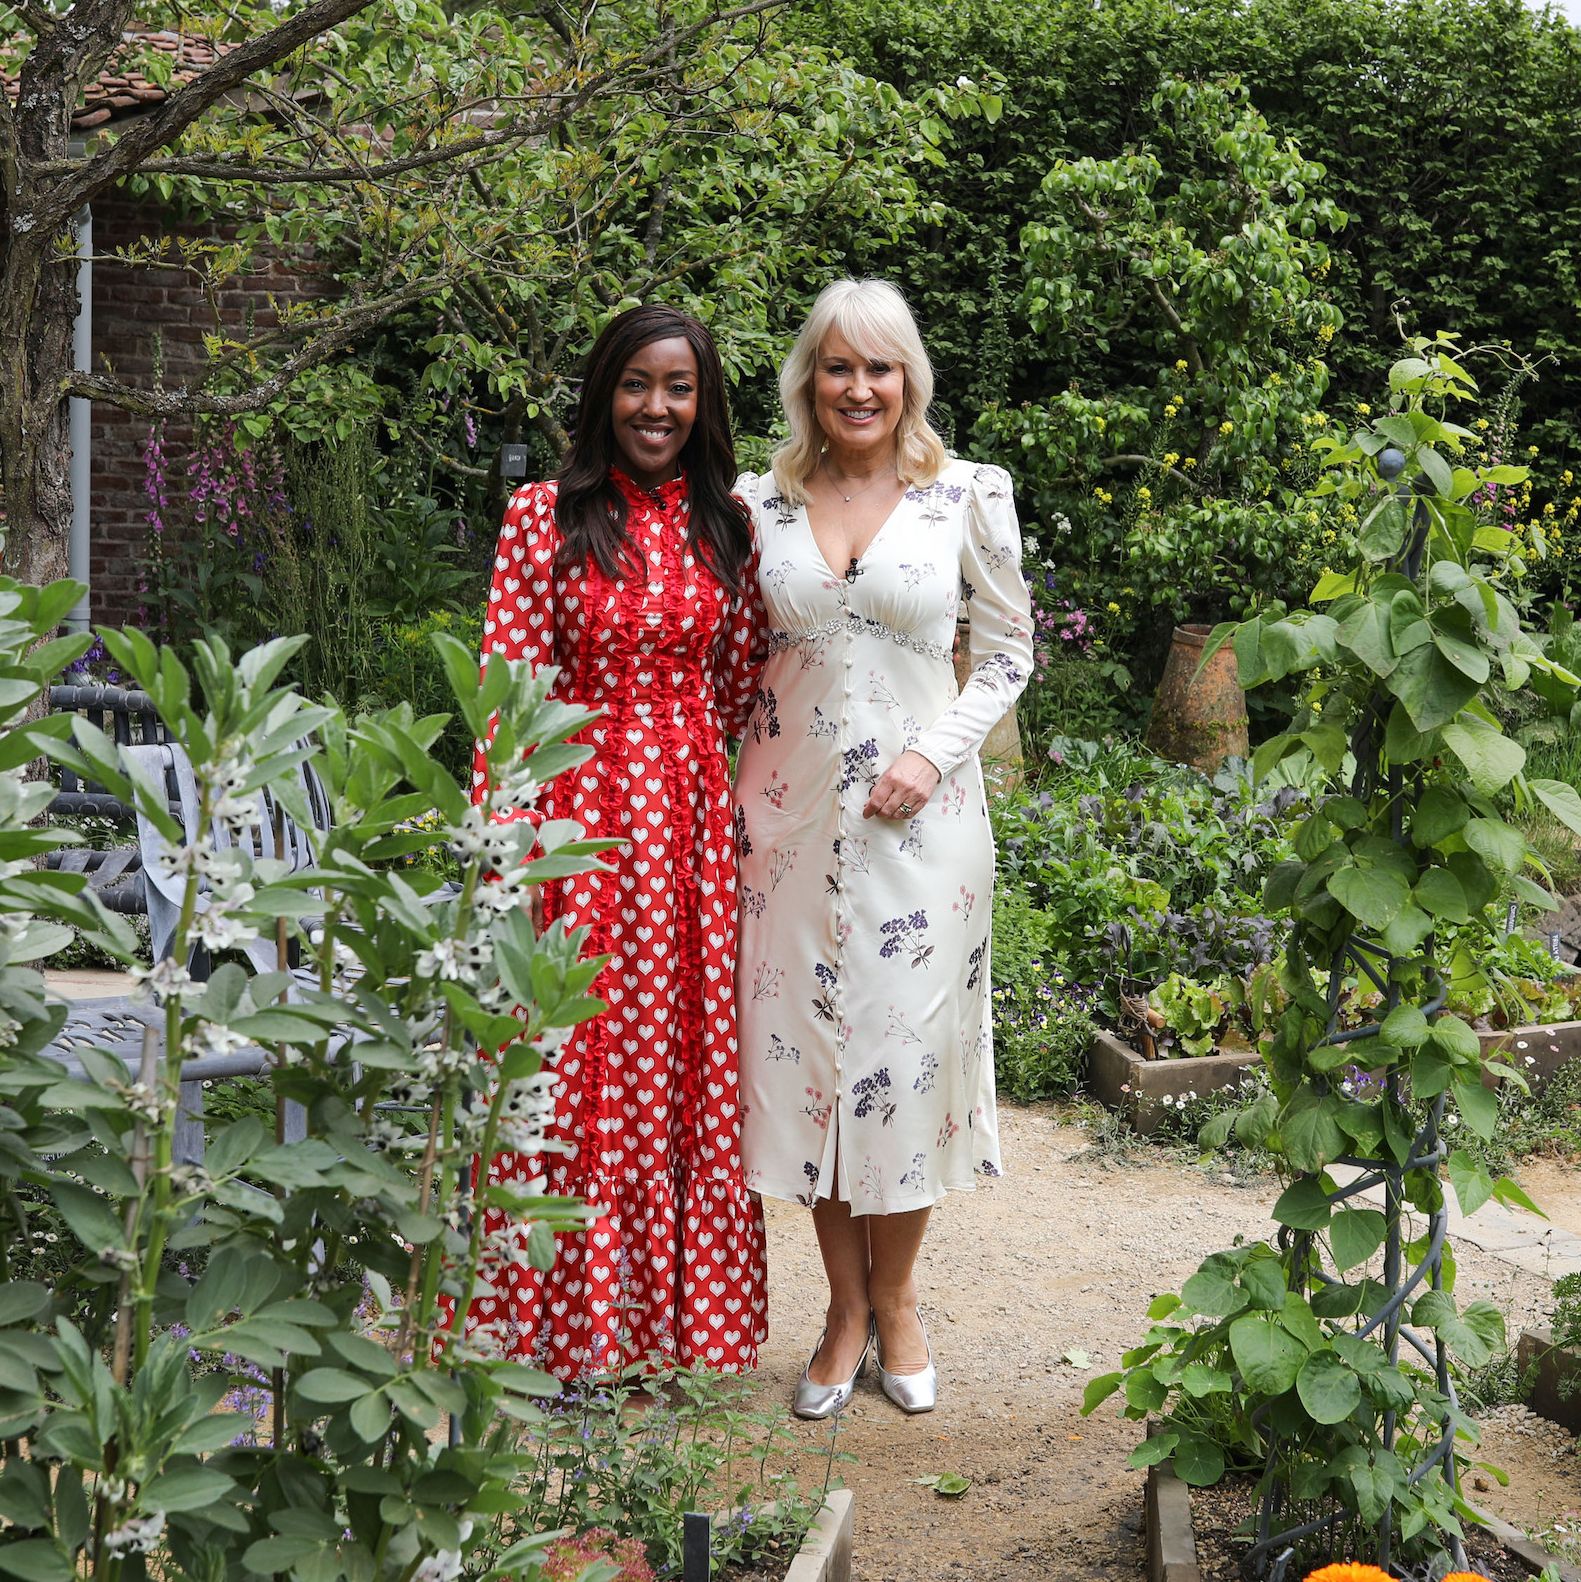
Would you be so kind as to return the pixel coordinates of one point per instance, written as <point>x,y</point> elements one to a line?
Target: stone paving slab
<point>87,983</point>
<point>1524,1241</point>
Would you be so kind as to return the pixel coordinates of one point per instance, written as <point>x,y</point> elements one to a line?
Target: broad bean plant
<point>316,1280</point>
<point>1299,1356</point>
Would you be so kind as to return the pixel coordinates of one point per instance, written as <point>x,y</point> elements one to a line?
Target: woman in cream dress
<point>866,859</point>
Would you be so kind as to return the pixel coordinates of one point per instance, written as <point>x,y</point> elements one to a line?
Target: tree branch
<point>161,127</point>
<point>184,399</point>
<point>1177,324</point>
<point>37,15</point>
<point>1150,461</point>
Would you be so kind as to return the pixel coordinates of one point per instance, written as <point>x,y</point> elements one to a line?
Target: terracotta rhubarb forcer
<point>1199,711</point>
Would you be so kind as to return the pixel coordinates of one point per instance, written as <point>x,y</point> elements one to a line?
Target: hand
<point>535,906</point>
<point>903,789</point>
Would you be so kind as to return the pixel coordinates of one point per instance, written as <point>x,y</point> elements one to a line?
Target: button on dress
<point>866,1043</point>
<point>647,1095</point>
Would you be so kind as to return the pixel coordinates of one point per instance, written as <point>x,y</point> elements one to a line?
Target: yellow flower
<point>1226,427</point>
<point>1482,423</point>
<point>1274,379</point>
<point>1565,476</point>
<point>1112,607</point>
<point>1190,461</point>
<point>1102,496</point>
<point>1171,410</point>
<point>1102,423</point>
<point>1548,510</point>
<point>1531,450</point>
<point>1180,365</point>
<point>1144,494</point>
<point>1325,333</point>
<point>1364,409</point>
<point>1171,457</point>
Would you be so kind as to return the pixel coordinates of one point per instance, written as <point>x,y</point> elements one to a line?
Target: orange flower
<point>1465,1576</point>
<point>1347,1571</point>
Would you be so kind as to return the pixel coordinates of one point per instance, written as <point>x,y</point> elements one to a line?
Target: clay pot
<point>1199,715</point>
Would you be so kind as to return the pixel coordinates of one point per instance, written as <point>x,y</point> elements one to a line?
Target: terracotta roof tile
<point>121,87</point>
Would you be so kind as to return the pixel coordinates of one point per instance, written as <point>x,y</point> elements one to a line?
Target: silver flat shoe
<point>824,1400</point>
<point>911,1392</point>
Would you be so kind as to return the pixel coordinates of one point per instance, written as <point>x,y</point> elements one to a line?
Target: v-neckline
<point>867,548</point>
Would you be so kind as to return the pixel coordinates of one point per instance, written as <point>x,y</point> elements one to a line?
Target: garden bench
<point>127,879</point>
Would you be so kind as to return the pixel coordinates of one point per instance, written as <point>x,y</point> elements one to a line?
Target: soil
<point>1217,1513</point>
<point>1030,1287</point>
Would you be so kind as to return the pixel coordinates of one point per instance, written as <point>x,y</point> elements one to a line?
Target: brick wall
<point>137,312</point>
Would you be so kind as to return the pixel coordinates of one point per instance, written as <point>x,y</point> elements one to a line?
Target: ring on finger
<point>905,810</point>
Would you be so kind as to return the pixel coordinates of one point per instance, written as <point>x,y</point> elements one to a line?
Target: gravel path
<point>1061,1257</point>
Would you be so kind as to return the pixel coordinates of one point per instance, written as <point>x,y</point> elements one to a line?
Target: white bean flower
<point>139,1536</point>
<point>164,981</point>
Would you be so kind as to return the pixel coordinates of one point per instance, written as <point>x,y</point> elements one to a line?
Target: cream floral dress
<point>866,1047</point>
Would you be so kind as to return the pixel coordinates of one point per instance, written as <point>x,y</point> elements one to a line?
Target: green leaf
<point>330,1386</point>
<point>1406,1026</point>
<point>35,1560</point>
<point>1212,1289</point>
<point>1328,1389</point>
<point>1097,1392</point>
<point>1471,1181</point>
<point>1478,1106</point>
<point>1492,760</point>
<point>1438,814</point>
<point>1304,1204</point>
<point>1355,1235</point>
<point>1474,1335</point>
<point>1439,892</point>
<point>1372,895</point>
<point>1154,1449</point>
<point>1310,1130</point>
<point>1268,1356</point>
<point>951,1485</point>
<point>1431,689</point>
<point>21,1300</point>
<point>185,1489</point>
<point>1199,1461</point>
<point>1562,800</point>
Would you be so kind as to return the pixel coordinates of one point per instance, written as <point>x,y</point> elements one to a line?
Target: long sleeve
<point>519,621</point>
<point>999,610</point>
<point>741,652</point>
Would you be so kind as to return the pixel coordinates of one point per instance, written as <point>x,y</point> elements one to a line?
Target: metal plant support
<point>1284,1523</point>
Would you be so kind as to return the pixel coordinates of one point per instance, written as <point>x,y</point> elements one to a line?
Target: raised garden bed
<point>1134,1086</point>
<point>1497,1550</point>
<point>825,1553</point>
<point>1119,1077</point>
<point>1555,1371</point>
<point>1548,1048</point>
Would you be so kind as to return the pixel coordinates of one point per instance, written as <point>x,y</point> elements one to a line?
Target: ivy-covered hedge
<point>1446,126</point>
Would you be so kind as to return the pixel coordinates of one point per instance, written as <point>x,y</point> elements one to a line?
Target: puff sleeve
<point>999,612</point>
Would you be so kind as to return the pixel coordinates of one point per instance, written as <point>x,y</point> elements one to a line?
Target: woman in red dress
<point>632,573</point>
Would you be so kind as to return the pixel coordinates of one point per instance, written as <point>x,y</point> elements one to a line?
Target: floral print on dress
<point>873,921</point>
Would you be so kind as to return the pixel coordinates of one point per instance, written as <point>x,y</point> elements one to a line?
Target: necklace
<point>857,495</point>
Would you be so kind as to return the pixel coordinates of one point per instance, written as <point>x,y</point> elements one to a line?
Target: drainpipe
<point>80,426</point>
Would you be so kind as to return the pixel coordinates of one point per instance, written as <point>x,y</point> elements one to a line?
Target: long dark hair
<point>591,512</point>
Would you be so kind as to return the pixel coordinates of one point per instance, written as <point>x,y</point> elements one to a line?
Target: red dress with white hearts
<point>672,1266</point>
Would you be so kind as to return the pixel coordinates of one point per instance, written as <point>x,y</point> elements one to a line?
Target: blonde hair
<point>872,315</point>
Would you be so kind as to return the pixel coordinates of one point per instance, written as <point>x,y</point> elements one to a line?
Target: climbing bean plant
<point>1323,1356</point>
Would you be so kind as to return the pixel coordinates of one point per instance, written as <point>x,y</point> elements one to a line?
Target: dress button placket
<point>841,925</point>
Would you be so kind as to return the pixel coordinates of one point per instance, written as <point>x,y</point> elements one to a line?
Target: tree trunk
<point>40,299</point>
